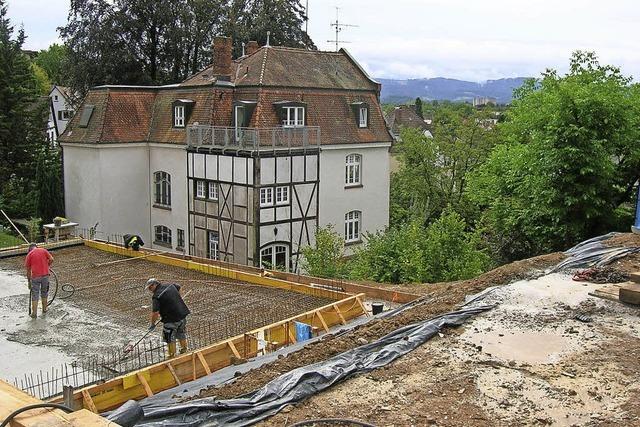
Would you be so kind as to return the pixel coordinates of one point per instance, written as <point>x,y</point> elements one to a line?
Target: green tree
<point>52,60</point>
<point>43,84</point>
<point>324,259</point>
<point>435,171</point>
<point>165,41</point>
<point>419,107</point>
<point>569,161</point>
<point>48,185</point>
<point>22,121</point>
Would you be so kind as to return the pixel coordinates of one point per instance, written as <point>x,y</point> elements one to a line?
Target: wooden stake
<point>324,324</point>
<point>204,363</point>
<point>145,384</point>
<point>88,402</point>
<point>173,373</point>
<point>342,319</point>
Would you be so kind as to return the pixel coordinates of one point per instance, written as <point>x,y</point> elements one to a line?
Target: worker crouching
<point>169,308</point>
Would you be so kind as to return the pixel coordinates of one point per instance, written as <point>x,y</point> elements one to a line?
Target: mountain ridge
<point>443,88</point>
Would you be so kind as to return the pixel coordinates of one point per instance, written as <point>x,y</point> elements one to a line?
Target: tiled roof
<point>328,82</point>
<point>405,116</point>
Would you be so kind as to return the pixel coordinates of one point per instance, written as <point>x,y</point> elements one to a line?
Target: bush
<point>325,258</point>
<point>442,251</point>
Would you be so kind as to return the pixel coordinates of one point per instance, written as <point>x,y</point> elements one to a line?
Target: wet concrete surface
<point>65,333</point>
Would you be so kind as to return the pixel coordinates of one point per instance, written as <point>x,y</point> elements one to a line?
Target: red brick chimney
<point>251,47</point>
<point>222,55</point>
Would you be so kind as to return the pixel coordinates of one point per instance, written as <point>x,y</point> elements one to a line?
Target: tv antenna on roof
<point>339,27</point>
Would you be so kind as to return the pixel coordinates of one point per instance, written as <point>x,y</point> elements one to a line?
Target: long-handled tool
<point>129,347</point>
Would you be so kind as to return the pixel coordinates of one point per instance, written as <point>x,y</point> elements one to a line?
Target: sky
<point>464,39</point>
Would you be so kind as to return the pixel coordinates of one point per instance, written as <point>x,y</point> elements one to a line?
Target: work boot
<point>44,305</point>
<point>183,346</point>
<point>34,309</point>
<point>172,350</point>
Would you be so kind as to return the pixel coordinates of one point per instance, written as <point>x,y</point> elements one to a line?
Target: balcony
<point>253,139</point>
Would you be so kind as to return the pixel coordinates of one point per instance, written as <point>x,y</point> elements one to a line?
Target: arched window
<point>162,182</point>
<point>352,170</point>
<point>275,257</point>
<point>352,226</point>
<point>162,235</point>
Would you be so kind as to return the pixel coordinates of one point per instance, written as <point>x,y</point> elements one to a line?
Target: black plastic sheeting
<point>301,383</point>
<point>592,253</point>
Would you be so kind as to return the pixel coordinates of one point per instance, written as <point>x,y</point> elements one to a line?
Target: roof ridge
<point>264,66</point>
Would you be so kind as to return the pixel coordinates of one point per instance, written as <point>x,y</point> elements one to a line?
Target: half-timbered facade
<point>241,162</point>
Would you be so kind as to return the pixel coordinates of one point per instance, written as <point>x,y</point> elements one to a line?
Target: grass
<point>7,240</point>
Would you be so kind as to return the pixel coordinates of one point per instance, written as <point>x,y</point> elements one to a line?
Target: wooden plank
<point>342,319</point>
<point>292,335</point>
<point>635,277</point>
<point>87,402</point>
<point>204,363</point>
<point>145,384</point>
<point>173,373</point>
<point>193,366</point>
<point>234,350</point>
<point>366,313</point>
<point>629,293</point>
<point>324,324</point>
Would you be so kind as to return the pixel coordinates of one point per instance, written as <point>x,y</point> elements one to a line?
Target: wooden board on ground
<point>627,292</point>
<point>630,293</point>
<point>12,399</point>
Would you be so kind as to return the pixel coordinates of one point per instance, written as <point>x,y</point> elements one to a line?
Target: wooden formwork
<point>188,367</point>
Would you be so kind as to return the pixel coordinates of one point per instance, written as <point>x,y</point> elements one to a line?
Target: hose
<point>330,421</point>
<point>66,287</point>
<point>34,406</point>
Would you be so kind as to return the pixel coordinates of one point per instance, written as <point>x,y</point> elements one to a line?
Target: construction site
<point>552,340</point>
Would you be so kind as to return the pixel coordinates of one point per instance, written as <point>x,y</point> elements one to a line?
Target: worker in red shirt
<point>37,264</point>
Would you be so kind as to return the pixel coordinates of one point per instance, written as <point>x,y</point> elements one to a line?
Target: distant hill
<point>400,91</point>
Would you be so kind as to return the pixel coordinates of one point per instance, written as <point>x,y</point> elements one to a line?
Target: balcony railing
<point>253,138</point>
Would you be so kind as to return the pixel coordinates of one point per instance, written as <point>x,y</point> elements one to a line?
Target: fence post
<point>67,395</point>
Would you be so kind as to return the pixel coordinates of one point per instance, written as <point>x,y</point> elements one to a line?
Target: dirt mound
<point>440,297</point>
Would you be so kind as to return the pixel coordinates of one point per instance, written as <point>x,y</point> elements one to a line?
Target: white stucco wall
<point>108,184</point>
<point>372,198</point>
<point>173,160</point>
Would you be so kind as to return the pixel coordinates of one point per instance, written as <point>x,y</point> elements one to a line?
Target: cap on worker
<point>150,282</point>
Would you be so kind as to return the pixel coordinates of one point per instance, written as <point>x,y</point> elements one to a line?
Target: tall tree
<point>22,120</point>
<point>164,41</point>
<point>52,60</point>
<point>419,107</point>
<point>435,171</point>
<point>569,162</point>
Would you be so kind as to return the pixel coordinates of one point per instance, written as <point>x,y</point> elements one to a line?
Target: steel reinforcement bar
<point>191,366</point>
<point>222,271</point>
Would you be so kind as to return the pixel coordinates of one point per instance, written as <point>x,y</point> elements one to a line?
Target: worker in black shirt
<point>132,241</point>
<point>169,307</point>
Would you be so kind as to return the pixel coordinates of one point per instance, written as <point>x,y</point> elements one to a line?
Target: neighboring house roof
<point>329,83</point>
<point>405,116</point>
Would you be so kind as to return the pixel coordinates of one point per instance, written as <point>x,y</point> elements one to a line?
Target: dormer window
<point>361,112</point>
<point>178,116</point>
<point>292,113</point>
<point>364,117</point>
<point>181,110</point>
<point>293,117</point>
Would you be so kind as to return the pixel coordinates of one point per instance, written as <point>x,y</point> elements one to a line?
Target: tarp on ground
<point>301,383</point>
<point>592,253</point>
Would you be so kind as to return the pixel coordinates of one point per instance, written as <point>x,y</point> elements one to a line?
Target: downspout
<point>149,199</point>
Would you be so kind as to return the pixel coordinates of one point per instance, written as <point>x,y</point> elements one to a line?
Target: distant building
<point>482,101</point>
<point>406,116</point>
<point>60,112</point>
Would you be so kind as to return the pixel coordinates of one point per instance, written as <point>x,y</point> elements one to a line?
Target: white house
<point>240,162</point>
<point>60,112</point>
